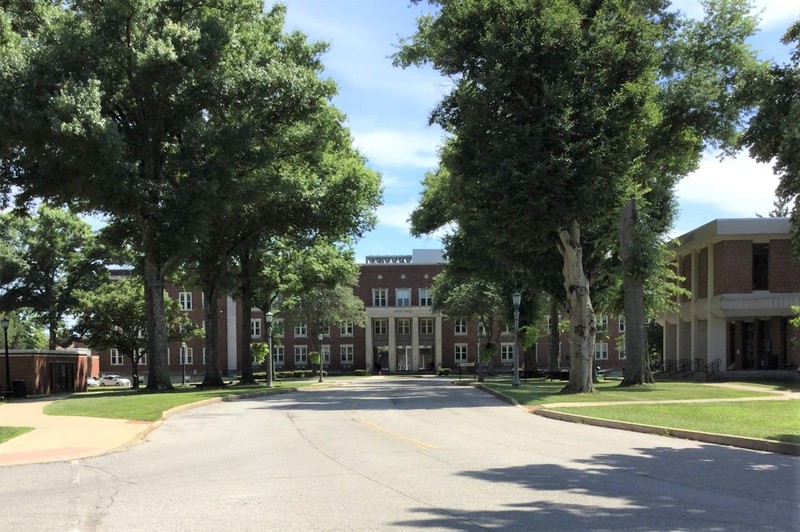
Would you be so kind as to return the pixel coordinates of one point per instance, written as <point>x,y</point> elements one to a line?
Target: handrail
<point>712,367</point>
<point>697,363</point>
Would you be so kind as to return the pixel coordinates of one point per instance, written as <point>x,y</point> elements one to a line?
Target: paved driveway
<point>384,454</point>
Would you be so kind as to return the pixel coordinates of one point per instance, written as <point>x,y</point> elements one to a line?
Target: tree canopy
<point>562,115</point>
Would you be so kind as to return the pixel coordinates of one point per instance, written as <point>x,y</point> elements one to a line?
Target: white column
<point>392,346</point>
<point>232,335</point>
<point>414,343</point>
<point>437,342</point>
<point>369,352</point>
<point>694,287</point>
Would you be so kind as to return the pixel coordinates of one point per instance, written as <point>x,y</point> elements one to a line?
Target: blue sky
<point>387,112</point>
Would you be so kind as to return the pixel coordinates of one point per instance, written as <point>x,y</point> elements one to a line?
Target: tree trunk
<point>213,376</point>
<point>553,359</point>
<point>155,310</point>
<point>52,327</point>
<point>637,364</point>
<point>247,303</point>
<point>582,326</point>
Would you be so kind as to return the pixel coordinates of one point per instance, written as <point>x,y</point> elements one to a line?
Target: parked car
<point>114,380</point>
<point>91,381</point>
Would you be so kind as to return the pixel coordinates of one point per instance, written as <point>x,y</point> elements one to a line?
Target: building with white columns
<point>743,281</point>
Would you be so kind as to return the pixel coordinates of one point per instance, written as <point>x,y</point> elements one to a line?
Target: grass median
<point>777,420</point>
<point>147,406</point>
<point>6,433</point>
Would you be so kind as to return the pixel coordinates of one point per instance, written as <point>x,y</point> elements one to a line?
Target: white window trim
<point>506,352</point>
<point>428,321</point>
<point>397,297</point>
<point>457,325</point>
<point>255,327</point>
<point>407,326</point>
<point>301,354</point>
<point>346,355</point>
<point>186,358</point>
<point>384,329</point>
<point>601,351</point>
<point>278,355</point>
<point>460,348</point>
<point>346,328</point>
<point>116,357</point>
<point>425,297</point>
<point>303,328</point>
<point>185,301</point>
<point>384,292</point>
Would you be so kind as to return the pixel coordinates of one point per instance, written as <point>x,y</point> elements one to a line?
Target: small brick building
<point>744,282</point>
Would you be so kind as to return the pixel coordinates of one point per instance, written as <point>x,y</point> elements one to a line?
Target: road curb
<point>754,444</point>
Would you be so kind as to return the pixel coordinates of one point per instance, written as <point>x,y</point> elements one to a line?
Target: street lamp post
<point>183,363</point>
<point>481,332</point>
<point>516,297</point>
<point>269,319</point>
<point>321,358</point>
<point>8,365</point>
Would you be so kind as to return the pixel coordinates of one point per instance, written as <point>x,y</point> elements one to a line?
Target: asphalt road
<point>383,454</point>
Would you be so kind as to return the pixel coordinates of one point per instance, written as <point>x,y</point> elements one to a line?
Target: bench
<point>466,365</point>
<point>6,393</point>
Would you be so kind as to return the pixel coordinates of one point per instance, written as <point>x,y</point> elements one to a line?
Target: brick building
<point>402,334</point>
<point>743,281</point>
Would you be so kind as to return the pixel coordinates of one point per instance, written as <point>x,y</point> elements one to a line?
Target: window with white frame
<point>602,323</point>
<point>185,300</point>
<point>621,323</point>
<point>116,357</point>
<point>187,356</point>
<point>204,355</point>
<point>404,326</point>
<point>460,351</point>
<point>507,329</point>
<point>300,330</point>
<point>346,329</point>
<point>255,328</point>
<point>379,297</point>
<point>506,352</point>
<point>277,354</point>
<point>426,326</point>
<point>601,351</point>
<point>621,352</point>
<point>203,300</point>
<point>403,297</point>
<point>380,327</point>
<point>326,331</point>
<point>460,326</point>
<point>346,354</point>
<point>425,297</point>
<point>142,357</point>
<point>300,354</point>
<point>326,353</point>
<point>277,328</point>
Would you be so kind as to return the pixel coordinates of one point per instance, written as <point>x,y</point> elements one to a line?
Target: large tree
<point>123,107</point>
<point>773,134</point>
<point>567,121</point>
<point>546,113</point>
<point>59,255</point>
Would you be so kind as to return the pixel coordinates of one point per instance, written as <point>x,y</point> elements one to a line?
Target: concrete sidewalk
<point>57,438</point>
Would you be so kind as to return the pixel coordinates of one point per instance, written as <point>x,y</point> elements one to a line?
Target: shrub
<point>443,372</point>
<point>298,374</point>
<point>360,373</point>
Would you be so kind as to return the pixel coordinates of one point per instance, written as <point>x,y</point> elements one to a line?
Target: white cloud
<point>395,148</point>
<point>734,187</point>
<point>396,215</point>
<point>772,12</point>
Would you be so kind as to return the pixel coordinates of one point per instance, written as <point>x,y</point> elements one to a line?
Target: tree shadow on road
<point>705,488</point>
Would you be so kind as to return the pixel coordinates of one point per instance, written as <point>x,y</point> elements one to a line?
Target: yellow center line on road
<point>378,428</point>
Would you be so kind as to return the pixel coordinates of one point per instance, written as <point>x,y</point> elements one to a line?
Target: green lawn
<point>767,420</point>
<point>6,433</point>
<point>144,406</point>
<point>538,392</point>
